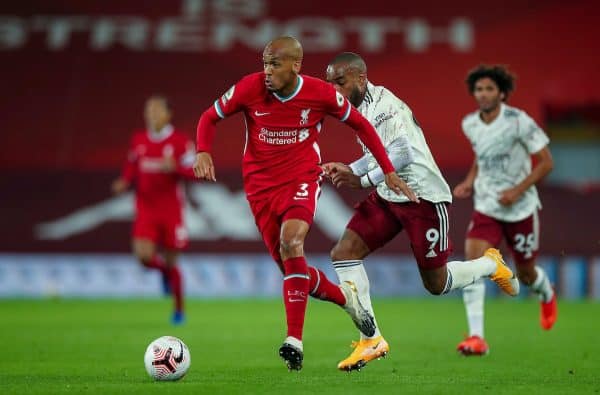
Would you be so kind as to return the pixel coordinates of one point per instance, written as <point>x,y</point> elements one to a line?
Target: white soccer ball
<point>167,359</point>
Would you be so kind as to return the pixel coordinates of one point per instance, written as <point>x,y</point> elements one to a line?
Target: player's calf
<point>322,288</point>
<point>437,280</point>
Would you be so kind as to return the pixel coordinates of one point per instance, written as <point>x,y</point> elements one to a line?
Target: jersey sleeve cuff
<point>347,113</point>
<point>218,109</point>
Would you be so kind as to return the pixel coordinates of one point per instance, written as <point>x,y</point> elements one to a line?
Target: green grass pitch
<point>97,347</point>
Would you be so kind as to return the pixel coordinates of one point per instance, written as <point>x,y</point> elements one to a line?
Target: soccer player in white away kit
<point>384,214</point>
<point>506,202</point>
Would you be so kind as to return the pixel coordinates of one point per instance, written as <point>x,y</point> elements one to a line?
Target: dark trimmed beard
<point>488,110</point>
<point>491,108</point>
<point>356,97</point>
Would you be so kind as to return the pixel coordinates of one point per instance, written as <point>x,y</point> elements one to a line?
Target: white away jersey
<point>392,118</point>
<point>503,150</point>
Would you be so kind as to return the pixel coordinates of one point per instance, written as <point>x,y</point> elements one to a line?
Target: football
<point>167,359</point>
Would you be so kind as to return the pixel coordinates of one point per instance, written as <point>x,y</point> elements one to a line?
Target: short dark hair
<point>352,59</point>
<point>497,73</point>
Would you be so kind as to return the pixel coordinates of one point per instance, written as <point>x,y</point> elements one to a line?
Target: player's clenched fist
<point>397,184</point>
<point>203,167</point>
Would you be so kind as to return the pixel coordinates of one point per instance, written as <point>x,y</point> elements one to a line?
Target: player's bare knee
<point>171,258</point>
<point>144,258</point>
<point>144,251</point>
<point>291,247</point>
<point>341,252</point>
<point>347,250</point>
<point>142,254</point>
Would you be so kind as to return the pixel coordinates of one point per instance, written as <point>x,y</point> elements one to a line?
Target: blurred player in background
<point>506,202</point>
<point>284,114</point>
<point>384,214</point>
<point>159,158</point>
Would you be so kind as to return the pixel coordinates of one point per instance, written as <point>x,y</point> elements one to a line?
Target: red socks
<point>156,263</point>
<point>321,287</point>
<point>299,281</point>
<point>295,294</point>
<point>173,276</point>
<point>176,287</point>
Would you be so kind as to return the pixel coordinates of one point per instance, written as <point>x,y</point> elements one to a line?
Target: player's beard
<point>490,106</point>
<point>356,96</point>
<point>278,85</point>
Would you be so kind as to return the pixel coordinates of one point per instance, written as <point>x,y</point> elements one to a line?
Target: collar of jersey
<point>368,99</point>
<point>162,134</point>
<point>487,125</point>
<point>293,94</point>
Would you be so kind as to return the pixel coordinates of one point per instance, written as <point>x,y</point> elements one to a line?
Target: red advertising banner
<point>75,74</point>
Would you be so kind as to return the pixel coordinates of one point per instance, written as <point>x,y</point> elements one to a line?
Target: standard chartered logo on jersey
<point>219,25</point>
<point>283,137</point>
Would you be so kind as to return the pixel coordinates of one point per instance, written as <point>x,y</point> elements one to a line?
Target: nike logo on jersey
<point>260,114</point>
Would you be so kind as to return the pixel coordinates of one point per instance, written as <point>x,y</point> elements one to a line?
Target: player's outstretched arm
<point>368,135</point>
<point>360,167</point>
<point>205,134</point>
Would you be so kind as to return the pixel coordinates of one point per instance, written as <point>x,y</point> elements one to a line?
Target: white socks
<point>463,273</point>
<point>473,297</point>
<point>294,342</point>
<point>541,286</point>
<point>353,270</point>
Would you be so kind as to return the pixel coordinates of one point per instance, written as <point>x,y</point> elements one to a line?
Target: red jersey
<point>281,132</point>
<point>158,191</point>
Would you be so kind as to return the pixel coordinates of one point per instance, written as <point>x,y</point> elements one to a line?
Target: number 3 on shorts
<point>302,192</point>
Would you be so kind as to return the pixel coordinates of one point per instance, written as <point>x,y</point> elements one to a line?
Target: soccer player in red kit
<point>158,159</point>
<point>284,113</point>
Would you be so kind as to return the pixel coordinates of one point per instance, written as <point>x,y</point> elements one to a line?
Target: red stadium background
<point>75,76</point>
